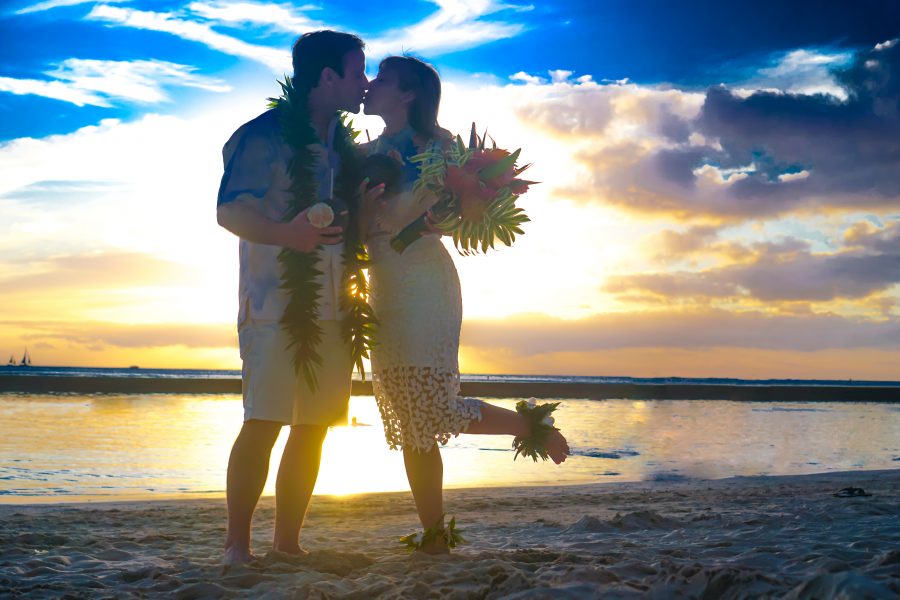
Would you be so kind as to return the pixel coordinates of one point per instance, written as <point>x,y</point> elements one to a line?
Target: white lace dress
<point>415,366</point>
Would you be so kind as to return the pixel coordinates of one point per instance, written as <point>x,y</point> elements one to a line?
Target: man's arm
<point>247,181</point>
<point>247,223</point>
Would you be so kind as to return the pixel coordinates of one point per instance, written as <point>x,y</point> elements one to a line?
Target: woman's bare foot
<point>557,447</point>
<point>294,550</point>
<point>433,547</point>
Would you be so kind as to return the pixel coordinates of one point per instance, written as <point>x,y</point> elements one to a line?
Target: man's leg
<point>297,476</point>
<point>248,467</point>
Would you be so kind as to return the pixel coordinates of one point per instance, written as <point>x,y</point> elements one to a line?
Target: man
<point>253,196</point>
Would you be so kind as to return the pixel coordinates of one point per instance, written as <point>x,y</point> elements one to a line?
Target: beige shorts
<point>272,390</point>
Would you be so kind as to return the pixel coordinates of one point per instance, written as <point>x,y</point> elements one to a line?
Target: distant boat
<point>12,362</point>
<point>26,359</point>
<point>134,367</point>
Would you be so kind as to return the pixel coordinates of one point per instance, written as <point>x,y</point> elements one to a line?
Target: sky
<point>719,196</point>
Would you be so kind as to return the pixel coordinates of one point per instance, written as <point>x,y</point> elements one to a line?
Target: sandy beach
<point>733,538</point>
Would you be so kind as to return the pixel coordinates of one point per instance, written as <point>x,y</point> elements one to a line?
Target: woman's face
<point>384,96</point>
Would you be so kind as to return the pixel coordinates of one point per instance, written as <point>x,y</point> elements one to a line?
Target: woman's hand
<point>431,225</point>
<point>371,202</point>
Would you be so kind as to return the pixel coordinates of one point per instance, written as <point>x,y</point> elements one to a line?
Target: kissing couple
<point>300,153</point>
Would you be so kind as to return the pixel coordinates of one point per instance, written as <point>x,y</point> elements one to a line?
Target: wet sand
<point>733,538</point>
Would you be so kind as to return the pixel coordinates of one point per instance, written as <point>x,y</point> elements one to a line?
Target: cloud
<point>50,190</point>
<point>97,334</point>
<point>100,82</point>
<point>56,90</point>
<point>784,272</point>
<point>92,271</point>
<point>51,4</point>
<point>673,245</point>
<point>803,71</point>
<point>455,26</point>
<point>283,17</point>
<point>526,335</point>
<point>727,361</point>
<point>568,110</point>
<point>733,155</point>
<point>277,59</point>
<point>526,78</point>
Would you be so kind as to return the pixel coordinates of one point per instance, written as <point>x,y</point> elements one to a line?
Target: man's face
<point>350,89</point>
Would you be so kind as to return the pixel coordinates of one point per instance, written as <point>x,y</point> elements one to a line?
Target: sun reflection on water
<point>68,447</point>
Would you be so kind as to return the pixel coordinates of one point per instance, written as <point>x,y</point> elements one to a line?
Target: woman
<point>416,297</point>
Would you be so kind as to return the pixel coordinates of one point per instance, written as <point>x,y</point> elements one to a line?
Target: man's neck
<point>320,113</point>
<point>320,121</point>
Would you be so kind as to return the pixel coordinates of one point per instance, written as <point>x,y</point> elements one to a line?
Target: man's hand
<point>299,234</point>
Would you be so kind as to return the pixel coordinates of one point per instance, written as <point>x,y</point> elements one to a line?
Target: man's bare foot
<point>295,550</point>
<point>557,447</point>
<point>235,555</point>
<point>279,556</point>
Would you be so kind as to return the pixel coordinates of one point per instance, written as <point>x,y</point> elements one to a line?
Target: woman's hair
<point>317,50</point>
<point>420,78</point>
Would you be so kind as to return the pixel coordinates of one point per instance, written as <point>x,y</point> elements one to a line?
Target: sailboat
<point>26,360</point>
<point>12,362</point>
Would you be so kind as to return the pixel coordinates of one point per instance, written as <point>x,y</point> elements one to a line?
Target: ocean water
<point>137,372</point>
<point>75,447</point>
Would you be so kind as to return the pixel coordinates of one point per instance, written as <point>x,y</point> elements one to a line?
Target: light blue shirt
<point>256,172</point>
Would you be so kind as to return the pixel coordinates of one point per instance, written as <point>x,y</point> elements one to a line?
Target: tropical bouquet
<point>476,187</point>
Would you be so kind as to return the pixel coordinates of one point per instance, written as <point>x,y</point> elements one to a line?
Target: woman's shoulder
<point>443,135</point>
<point>442,138</point>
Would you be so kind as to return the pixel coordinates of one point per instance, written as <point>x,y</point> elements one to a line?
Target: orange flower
<point>473,198</point>
<point>488,158</point>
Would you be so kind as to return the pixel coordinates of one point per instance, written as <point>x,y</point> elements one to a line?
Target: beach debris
<point>851,492</point>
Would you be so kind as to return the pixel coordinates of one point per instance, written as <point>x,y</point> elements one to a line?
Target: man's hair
<point>316,50</point>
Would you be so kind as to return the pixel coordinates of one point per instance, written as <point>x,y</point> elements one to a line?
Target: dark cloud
<point>693,329</point>
<point>779,151</point>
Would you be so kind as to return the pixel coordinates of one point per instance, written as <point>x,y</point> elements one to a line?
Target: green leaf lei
<point>300,318</point>
<point>450,534</point>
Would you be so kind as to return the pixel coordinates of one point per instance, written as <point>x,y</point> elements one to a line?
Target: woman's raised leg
<point>496,420</point>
